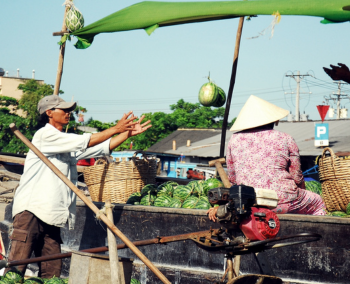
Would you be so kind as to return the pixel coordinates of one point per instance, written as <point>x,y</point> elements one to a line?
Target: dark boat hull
<point>324,261</point>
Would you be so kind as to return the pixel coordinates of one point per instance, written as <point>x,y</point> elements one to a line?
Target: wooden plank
<point>20,161</point>
<point>11,159</point>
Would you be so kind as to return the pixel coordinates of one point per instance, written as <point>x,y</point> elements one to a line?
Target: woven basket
<point>118,180</point>
<point>335,178</point>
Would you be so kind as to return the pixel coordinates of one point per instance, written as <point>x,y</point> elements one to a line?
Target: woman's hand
<point>140,128</point>
<point>126,123</point>
<point>212,213</point>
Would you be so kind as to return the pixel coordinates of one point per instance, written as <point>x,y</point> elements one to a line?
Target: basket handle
<point>101,162</point>
<point>140,152</point>
<point>330,152</point>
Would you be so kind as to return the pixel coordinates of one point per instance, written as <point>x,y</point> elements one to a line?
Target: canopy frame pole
<point>61,56</point>
<point>232,84</point>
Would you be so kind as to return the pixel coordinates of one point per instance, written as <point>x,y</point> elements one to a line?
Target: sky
<point>133,71</point>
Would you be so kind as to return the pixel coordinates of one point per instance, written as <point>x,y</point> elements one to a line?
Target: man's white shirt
<point>40,191</point>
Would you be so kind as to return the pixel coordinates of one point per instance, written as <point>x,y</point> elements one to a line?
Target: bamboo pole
<point>92,206</point>
<point>112,246</point>
<point>232,84</point>
<point>61,57</point>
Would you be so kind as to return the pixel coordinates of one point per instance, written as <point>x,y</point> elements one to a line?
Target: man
<point>261,157</point>
<point>42,202</point>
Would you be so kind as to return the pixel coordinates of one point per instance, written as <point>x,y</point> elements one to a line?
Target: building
<point>9,85</point>
<point>202,145</point>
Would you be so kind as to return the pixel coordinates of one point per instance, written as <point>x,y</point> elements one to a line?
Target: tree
<point>188,115</point>
<point>184,115</point>
<point>28,123</point>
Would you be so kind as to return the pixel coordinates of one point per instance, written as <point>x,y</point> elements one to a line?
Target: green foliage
<point>184,115</point>
<point>28,125</point>
<point>196,116</point>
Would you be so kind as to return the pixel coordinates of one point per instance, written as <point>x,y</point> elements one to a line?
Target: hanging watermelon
<point>221,98</point>
<point>211,95</point>
<point>74,19</point>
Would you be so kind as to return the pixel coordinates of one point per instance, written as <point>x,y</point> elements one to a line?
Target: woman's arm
<point>295,165</point>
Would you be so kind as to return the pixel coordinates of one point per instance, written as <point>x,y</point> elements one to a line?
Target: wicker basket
<point>335,178</point>
<point>118,180</point>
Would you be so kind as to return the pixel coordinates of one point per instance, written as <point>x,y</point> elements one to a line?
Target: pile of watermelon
<point>171,194</point>
<point>315,187</point>
<point>15,277</point>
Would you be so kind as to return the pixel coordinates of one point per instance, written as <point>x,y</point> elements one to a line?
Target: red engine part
<point>86,162</point>
<point>262,224</point>
<point>193,174</point>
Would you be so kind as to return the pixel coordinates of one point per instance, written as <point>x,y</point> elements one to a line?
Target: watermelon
<point>148,199</point>
<point>134,281</point>
<point>175,203</point>
<point>338,214</point>
<point>197,187</point>
<point>134,197</point>
<point>208,94</point>
<point>149,188</point>
<point>348,209</point>
<point>212,183</point>
<point>34,280</point>
<point>202,204</point>
<point>166,188</point>
<point>74,19</point>
<point>313,186</point>
<point>182,192</point>
<point>163,201</point>
<point>221,98</point>
<point>15,276</point>
<point>55,280</point>
<point>190,202</point>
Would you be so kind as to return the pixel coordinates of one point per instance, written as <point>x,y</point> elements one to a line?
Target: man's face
<point>59,116</point>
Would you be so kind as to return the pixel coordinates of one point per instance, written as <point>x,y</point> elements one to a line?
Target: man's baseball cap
<point>54,101</point>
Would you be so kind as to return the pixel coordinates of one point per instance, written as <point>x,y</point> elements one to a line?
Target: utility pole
<point>338,97</point>
<point>297,79</point>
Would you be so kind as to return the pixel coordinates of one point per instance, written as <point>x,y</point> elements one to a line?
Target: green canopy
<point>151,15</point>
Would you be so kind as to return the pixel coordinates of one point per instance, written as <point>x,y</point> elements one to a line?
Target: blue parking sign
<point>321,134</point>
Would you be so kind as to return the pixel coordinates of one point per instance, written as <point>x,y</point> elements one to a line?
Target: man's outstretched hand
<point>340,72</point>
<point>140,127</point>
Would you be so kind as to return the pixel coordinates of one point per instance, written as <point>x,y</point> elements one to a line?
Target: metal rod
<point>92,206</point>
<point>232,84</point>
<point>158,240</point>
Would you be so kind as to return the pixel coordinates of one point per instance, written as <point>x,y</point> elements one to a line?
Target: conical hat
<point>257,112</point>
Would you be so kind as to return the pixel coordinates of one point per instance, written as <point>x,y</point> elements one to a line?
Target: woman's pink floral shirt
<point>265,159</point>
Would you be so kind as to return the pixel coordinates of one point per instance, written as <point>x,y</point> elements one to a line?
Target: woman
<point>261,157</point>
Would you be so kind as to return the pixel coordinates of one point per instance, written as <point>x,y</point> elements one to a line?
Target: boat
<point>322,261</point>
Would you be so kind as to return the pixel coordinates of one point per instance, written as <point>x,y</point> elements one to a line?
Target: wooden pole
<point>232,84</point>
<point>61,57</point>
<point>92,206</point>
<point>112,247</point>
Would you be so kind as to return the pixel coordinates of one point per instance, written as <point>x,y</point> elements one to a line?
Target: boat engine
<point>238,207</point>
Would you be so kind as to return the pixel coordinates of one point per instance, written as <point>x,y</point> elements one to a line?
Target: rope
<point>275,21</point>
<point>70,5</point>
<point>103,211</point>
